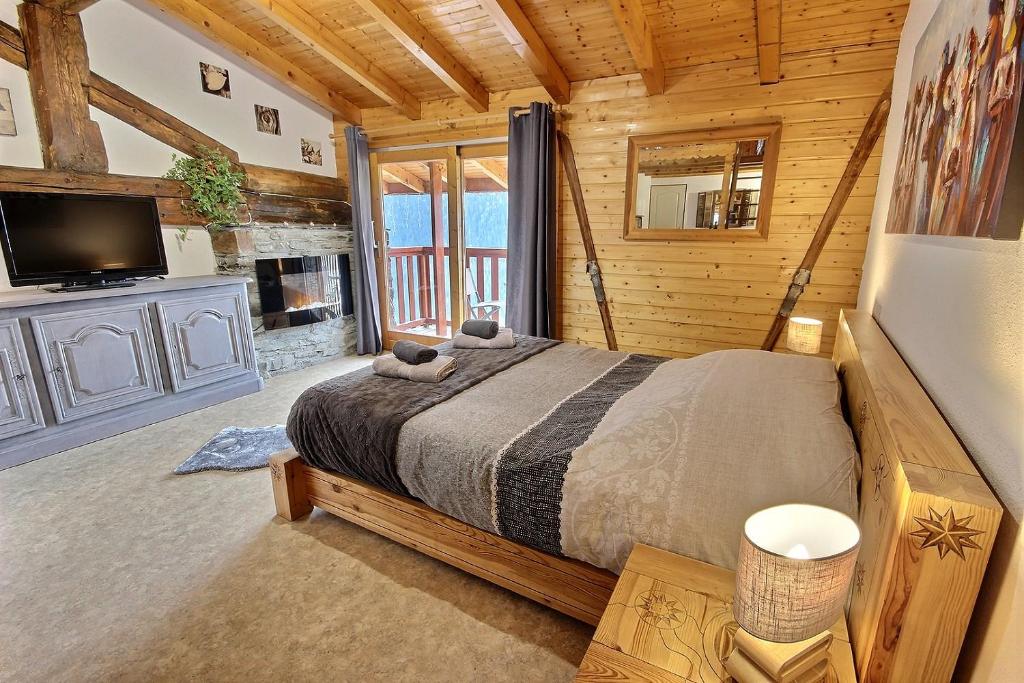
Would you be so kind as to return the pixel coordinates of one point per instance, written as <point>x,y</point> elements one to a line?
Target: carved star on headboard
<point>946,533</point>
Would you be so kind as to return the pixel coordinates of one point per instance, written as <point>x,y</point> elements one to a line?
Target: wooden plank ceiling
<point>401,53</point>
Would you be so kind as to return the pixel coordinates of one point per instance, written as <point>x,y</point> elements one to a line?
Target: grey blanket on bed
<point>350,424</point>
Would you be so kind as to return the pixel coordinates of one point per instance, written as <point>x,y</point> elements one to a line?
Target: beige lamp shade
<point>804,335</point>
<point>794,571</point>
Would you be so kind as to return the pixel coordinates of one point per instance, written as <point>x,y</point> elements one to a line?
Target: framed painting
<point>958,153</point>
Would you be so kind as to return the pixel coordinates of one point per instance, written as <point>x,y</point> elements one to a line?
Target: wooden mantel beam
<point>308,30</point>
<point>408,31</point>
<point>632,21</point>
<point>528,44</point>
<point>213,26</point>
<point>769,40</point>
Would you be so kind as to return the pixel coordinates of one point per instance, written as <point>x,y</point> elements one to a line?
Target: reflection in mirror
<point>685,185</point>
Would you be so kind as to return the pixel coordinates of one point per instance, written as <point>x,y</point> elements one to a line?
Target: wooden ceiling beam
<point>632,21</point>
<point>408,31</point>
<point>213,26</point>
<point>67,6</point>
<point>495,170</point>
<point>527,43</point>
<point>769,40</point>
<point>399,176</point>
<point>311,32</point>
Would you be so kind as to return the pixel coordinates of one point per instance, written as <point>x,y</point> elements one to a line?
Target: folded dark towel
<point>413,353</point>
<point>485,329</point>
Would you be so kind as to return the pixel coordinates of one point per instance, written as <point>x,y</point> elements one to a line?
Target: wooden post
<point>868,137</point>
<point>289,485</point>
<point>593,269</point>
<point>58,66</point>
<point>437,223</point>
<point>456,236</point>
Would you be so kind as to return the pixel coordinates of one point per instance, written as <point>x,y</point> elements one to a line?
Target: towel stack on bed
<point>484,334</point>
<point>415,362</point>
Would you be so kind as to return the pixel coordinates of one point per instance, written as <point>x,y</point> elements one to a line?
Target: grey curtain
<point>531,219</point>
<point>366,301</point>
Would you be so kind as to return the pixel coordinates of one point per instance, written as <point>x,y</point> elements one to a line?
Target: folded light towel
<point>485,329</point>
<point>504,340</point>
<point>435,371</point>
<point>412,352</point>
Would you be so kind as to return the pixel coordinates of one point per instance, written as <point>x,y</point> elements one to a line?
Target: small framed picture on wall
<point>7,125</point>
<point>215,80</point>
<point>268,120</point>
<point>311,153</point>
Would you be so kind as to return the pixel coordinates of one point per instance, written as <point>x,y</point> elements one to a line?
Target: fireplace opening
<point>301,290</point>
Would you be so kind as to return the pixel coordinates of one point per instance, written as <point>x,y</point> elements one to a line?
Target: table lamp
<point>793,576</point>
<point>804,335</point>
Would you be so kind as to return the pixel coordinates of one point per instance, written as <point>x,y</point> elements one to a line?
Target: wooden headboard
<point>927,517</point>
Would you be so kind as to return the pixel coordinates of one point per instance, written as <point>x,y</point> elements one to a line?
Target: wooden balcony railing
<point>414,294</point>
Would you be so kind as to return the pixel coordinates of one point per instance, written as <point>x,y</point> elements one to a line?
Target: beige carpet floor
<point>114,569</point>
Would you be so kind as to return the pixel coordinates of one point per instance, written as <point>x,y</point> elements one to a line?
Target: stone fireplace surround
<point>236,250</point>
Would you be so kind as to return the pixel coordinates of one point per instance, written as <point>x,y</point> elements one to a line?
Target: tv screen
<point>52,237</point>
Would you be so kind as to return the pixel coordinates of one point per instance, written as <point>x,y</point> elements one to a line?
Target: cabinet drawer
<point>207,339</point>
<point>19,403</point>
<point>97,360</point>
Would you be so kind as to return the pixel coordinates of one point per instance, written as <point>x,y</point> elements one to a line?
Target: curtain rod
<point>449,143</point>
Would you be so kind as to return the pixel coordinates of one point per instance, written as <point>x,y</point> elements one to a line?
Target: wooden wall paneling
<point>632,20</point>
<point>686,298</point>
<point>528,44</point>
<point>408,31</point>
<point>223,31</point>
<point>309,30</point>
<point>58,65</point>
<point>769,40</point>
<point>851,174</point>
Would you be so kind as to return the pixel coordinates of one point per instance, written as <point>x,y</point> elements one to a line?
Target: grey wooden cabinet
<point>113,360</point>
<point>97,359</point>
<point>207,339</point>
<point>19,404</point>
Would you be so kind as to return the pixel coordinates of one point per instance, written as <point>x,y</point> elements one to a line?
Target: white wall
<point>157,58</point>
<point>953,307</point>
<point>22,149</point>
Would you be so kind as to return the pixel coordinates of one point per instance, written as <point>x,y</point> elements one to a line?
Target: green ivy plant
<point>214,184</point>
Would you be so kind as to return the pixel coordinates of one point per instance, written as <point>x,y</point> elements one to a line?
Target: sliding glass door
<point>441,219</point>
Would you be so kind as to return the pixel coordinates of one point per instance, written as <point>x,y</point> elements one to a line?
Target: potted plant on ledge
<point>215,187</point>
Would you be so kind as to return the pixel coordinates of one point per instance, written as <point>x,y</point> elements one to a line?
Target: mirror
<point>707,184</point>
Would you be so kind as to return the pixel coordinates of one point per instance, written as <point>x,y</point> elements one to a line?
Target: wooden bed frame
<point>927,517</point>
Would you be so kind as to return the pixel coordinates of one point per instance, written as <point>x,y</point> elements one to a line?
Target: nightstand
<point>670,619</point>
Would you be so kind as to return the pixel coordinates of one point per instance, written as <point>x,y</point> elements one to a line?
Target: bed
<point>539,469</point>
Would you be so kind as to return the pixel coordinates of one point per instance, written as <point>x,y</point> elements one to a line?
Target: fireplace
<point>301,290</point>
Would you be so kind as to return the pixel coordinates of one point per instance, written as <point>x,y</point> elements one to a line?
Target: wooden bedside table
<point>670,619</point>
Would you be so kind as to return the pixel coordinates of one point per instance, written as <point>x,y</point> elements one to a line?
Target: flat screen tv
<point>80,240</point>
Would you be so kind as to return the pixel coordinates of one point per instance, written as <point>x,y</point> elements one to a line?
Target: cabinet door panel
<point>207,339</point>
<point>97,360</point>
<point>19,403</point>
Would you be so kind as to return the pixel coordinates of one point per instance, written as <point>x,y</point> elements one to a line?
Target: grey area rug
<point>237,449</point>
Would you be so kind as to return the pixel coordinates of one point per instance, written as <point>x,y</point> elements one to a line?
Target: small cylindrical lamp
<point>795,566</point>
<point>804,335</point>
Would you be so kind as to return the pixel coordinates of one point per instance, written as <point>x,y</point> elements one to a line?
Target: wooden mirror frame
<point>771,132</point>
